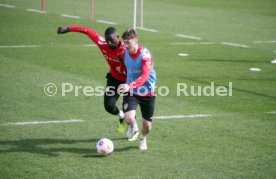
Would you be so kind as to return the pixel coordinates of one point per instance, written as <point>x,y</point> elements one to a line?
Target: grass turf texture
<point>237,141</point>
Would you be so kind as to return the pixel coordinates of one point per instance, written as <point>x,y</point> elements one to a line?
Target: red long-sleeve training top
<point>111,55</point>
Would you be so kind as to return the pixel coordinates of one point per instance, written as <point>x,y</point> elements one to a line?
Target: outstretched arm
<point>63,30</point>
<point>93,35</point>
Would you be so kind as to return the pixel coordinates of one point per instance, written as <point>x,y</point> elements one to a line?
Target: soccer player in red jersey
<point>111,48</point>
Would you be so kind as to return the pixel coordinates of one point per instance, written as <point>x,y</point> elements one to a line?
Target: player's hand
<point>123,88</point>
<point>63,30</point>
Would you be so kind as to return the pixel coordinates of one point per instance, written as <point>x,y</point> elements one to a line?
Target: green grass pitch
<point>236,140</point>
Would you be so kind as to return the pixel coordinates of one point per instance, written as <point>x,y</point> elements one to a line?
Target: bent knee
<point>129,116</point>
<point>147,125</point>
<point>110,108</point>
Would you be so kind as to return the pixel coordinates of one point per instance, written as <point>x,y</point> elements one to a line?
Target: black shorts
<point>146,103</point>
<point>112,85</point>
<point>111,96</point>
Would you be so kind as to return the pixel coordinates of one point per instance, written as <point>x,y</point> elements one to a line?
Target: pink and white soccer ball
<point>105,146</point>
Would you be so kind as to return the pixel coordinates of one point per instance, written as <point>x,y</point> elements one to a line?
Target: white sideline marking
<point>70,16</point>
<point>105,22</point>
<point>44,122</point>
<point>235,44</point>
<point>193,43</point>
<point>255,69</point>
<point>183,54</point>
<point>146,29</point>
<point>35,10</point>
<point>20,46</point>
<point>7,5</point>
<point>182,116</point>
<point>274,51</point>
<point>188,37</point>
<point>271,41</point>
<point>273,61</point>
<point>35,46</point>
<point>271,112</point>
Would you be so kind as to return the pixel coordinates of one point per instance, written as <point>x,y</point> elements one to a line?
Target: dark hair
<point>129,34</point>
<point>109,31</point>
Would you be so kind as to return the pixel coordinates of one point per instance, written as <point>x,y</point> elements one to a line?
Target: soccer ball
<point>105,146</point>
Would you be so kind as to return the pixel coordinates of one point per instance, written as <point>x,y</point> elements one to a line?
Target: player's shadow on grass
<point>94,155</point>
<point>53,147</point>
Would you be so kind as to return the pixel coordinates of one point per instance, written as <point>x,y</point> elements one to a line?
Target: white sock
<point>142,136</point>
<point>135,126</point>
<point>121,114</point>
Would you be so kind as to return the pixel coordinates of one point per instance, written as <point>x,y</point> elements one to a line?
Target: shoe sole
<point>143,149</point>
<point>134,137</point>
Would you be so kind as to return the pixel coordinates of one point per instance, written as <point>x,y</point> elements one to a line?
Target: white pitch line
<point>105,22</point>
<point>7,5</point>
<point>193,43</point>
<point>183,54</point>
<point>182,116</point>
<point>188,37</point>
<point>146,29</point>
<point>70,16</point>
<point>36,10</point>
<point>273,61</point>
<point>255,69</point>
<point>20,46</point>
<point>43,122</point>
<point>35,46</point>
<point>270,41</point>
<point>235,44</point>
<point>271,112</point>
